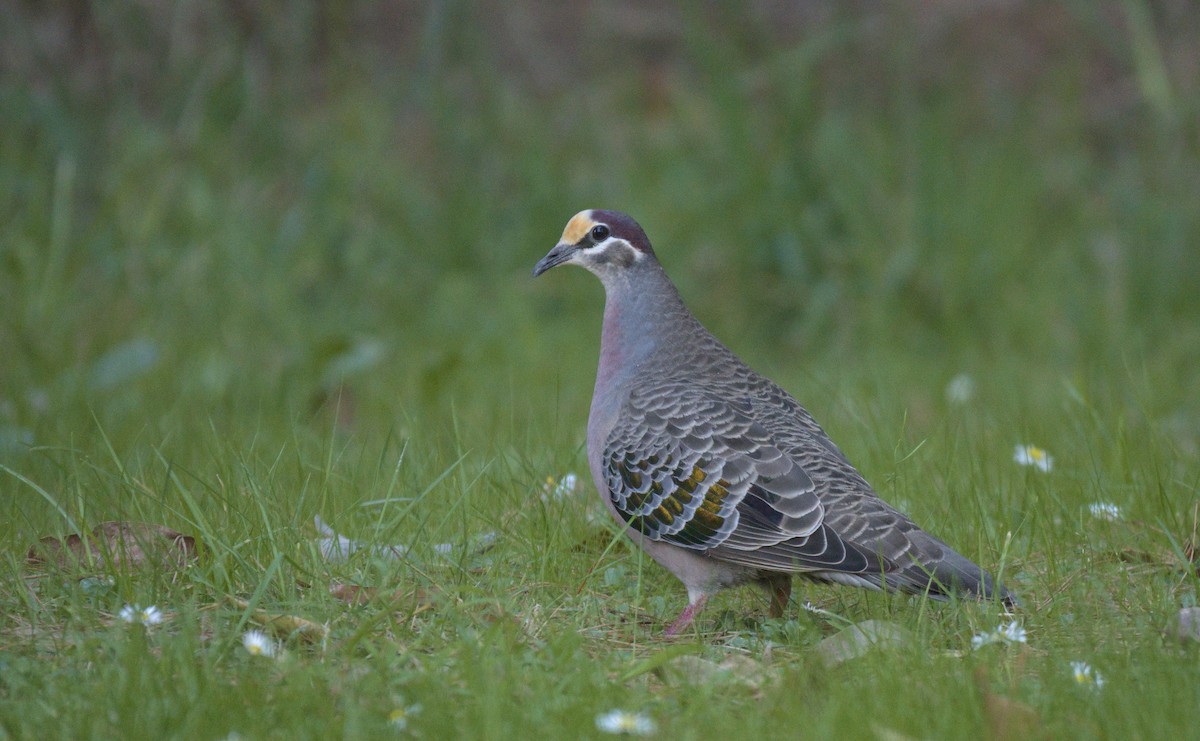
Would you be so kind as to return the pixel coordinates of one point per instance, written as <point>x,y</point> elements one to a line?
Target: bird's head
<point>604,242</point>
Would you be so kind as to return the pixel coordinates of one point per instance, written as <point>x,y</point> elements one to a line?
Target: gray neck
<point>642,314</point>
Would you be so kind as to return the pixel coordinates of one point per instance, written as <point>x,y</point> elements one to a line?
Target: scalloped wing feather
<point>698,471</point>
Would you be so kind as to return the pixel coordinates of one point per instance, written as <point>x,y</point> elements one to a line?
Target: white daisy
<point>399,717</point>
<point>961,389</point>
<point>1105,511</point>
<point>145,615</point>
<point>258,643</point>
<point>1085,675</point>
<point>1010,633</point>
<point>559,488</point>
<point>1031,455</point>
<point>625,723</point>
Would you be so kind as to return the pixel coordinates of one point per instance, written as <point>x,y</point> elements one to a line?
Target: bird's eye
<point>599,233</point>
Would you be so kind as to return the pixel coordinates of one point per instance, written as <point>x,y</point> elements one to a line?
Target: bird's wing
<point>690,467</point>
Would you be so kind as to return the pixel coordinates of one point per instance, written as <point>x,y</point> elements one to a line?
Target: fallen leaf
<point>117,544</point>
<point>659,659</point>
<point>733,669</point>
<point>416,599</point>
<point>1006,718</point>
<point>352,594</point>
<point>1130,554</point>
<point>858,639</point>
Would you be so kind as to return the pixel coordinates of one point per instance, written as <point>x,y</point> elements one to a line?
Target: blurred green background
<point>261,261</point>
<point>218,218</point>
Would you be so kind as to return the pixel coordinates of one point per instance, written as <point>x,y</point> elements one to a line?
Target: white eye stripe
<point>612,251</point>
<point>607,244</point>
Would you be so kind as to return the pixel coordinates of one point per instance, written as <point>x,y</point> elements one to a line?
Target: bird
<point>720,475</point>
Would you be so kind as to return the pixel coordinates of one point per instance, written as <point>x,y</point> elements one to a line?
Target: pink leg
<point>685,618</point>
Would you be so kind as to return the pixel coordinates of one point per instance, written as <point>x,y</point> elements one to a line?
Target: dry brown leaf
<point>352,594</point>
<point>1007,719</point>
<point>117,543</point>
<point>414,600</point>
<point>1162,557</point>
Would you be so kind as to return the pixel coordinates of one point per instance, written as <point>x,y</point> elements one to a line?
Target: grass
<point>287,276</point>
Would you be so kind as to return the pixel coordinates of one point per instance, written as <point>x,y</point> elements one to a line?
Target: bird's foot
<point>685,618</point>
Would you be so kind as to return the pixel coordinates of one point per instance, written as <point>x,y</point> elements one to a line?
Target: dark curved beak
<point>557,256</point>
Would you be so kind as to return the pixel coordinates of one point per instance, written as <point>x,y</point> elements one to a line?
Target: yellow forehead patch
<point>578,226</point>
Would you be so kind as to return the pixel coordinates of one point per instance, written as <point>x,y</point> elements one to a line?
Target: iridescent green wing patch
<point>666,496</point>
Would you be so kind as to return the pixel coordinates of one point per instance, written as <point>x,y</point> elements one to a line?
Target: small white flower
<point>625,723</point>
<point>1010,633</point>
<point>399,717</point>
<point>559,488</point>
<point>567,484</point>
<point>258,643</point>
<point>1031,455</point>
<point>961,389</point>
<point>1105,511</point>
<point>1013,632</point>
<point>1085,675</point>
<point>145,615</point>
